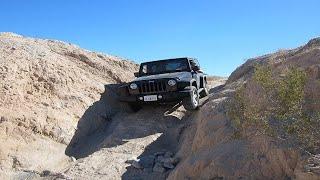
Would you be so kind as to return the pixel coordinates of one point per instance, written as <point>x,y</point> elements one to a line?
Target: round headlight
<point>172,82</point>
<point>133,86</point>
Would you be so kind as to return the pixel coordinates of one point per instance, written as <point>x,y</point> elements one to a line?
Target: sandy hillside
<point>46,86</point>
<point>60,119</point>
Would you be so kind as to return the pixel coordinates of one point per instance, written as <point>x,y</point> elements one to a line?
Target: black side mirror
<point>136,74</point>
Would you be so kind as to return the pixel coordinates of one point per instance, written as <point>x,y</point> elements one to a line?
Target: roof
<point>188,58</point>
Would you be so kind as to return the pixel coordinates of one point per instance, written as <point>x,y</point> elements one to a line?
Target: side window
<point>144,69</point>
<point>153,69</point>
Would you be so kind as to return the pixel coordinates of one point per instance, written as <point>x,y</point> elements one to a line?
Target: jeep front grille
<point>152,86</point>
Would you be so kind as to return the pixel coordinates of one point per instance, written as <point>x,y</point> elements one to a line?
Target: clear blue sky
<point>221,33</point>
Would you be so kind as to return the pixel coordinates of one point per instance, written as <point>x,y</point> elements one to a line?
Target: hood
<point>181,76</point>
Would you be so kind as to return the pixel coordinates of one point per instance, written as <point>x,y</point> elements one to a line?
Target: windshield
<point>164,66</point>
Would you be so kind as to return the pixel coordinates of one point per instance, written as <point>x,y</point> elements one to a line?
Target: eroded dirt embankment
<point>45,88</point>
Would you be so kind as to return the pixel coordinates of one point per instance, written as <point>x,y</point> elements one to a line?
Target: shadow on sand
<point>108,123</point>
<point>91,126</point>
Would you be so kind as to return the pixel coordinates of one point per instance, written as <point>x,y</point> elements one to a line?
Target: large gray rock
<point>168,160</point>
<point>168,154</point>
<point>168,165</point>
<point>136,164</point>
<point>147,161</point>
<point>159,159</point>
<point>158,168</point>
<point>160,153</point>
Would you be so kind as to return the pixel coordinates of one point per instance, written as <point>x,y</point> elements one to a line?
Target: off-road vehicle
<point>164,81</point>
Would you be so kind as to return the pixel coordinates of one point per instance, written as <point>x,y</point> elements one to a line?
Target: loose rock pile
<point>158,162</point>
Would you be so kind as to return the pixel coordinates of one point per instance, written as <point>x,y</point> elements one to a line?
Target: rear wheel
<point>192,102</point>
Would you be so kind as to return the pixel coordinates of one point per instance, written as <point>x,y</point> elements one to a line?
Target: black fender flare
<point>193,82</point>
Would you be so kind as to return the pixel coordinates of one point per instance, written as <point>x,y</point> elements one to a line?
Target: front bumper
<point>165,97</point>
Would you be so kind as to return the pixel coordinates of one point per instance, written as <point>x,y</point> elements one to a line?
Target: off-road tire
<point>192,102</point>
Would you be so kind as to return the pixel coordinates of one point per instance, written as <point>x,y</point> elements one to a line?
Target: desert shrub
<point>263,76</point>
<point>268,98</point>
<point>306,130</point>
<point>247,118</point>
<point>291,93</point>
<point>248,109</point>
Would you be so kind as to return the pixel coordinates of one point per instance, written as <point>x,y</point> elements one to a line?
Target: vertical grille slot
<point>160,87</point>
<point>152,86</point>
<point>155,87</point>
<point>164,86</point>
<point>148,87</point>
<point>144,87</point>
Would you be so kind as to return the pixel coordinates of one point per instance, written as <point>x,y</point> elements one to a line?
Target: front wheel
<point>192,102</point>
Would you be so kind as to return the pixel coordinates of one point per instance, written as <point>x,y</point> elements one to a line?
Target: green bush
<point>291,94</point>
<point>249,108</point>
<point>269,97</point>
<point>263,76</point>
<point>306,130</point>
